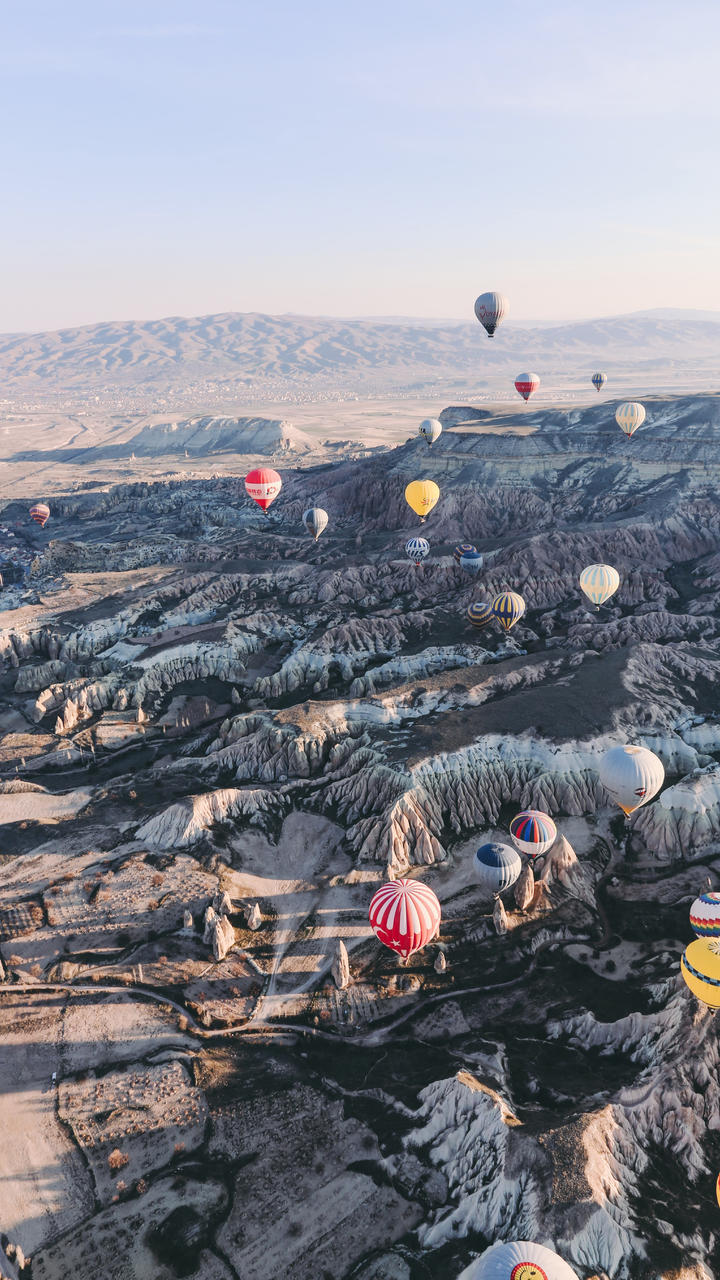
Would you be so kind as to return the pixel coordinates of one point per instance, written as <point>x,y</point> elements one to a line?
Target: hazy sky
<point>357,157</point>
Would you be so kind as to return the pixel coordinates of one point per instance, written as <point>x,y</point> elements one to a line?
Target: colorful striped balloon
<point>598,380</point>
<point>416,549</point>
<point>526,384</point>
<point>497,866</point>
<point>508,608</point>
<point>40,513</point>
<point>705,915</point>
<point>599,582</point>
<point>630,416</point>
<point>405,915</point>
<point>480,613</point>
<point>462,549</point>
<point>533,832</point>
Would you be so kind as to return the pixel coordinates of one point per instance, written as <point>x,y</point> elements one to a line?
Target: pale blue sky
<point>357,157</point>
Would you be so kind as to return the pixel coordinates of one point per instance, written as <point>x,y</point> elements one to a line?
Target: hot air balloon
<point>471,562</point>
<point>705,915</point>
<point>480,613</point>
<point>598,380</point>
<point>315,520</point>
<point>491,309</point>
<point>422,495</point>
<point>497,866</point>
<point>405,915</point>
<point>534,832</point>
<point>700,967</point>
<point>631,776</point>
<point>431,429</point>
<point>416,549</point>
<point>461,549</point>
<point>263,486</point>
<point>717,1189</point>
<point>40,513</point>
<point>630,416</point>
<point>508,608</point>
<point>526,383</point>
<point>519,1260</point>
<point>599,582</point>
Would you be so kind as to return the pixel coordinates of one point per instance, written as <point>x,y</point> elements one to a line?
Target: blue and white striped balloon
<point>417,549</point>
<point>599,582</point>
<point>630,416</point>
<point>497,866</point>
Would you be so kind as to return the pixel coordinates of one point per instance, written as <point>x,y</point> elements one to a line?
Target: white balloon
<point>519,1260</point>
<point>599,582</point>
<point>491,309</point>
<point>631,776</point>
<point>431,429</point>
<point>315,520</point>
<point>630,416</point>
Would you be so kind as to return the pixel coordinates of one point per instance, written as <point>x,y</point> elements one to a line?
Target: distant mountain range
<point>255,355</point>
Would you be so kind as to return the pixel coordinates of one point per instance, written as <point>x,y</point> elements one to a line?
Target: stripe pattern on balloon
<point>405,915</point>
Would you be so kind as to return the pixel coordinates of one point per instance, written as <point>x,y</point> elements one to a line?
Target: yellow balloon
<point>700,967</point>
<point>422,495</point>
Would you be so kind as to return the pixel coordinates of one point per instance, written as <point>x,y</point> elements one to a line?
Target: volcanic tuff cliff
<point>283,713</point>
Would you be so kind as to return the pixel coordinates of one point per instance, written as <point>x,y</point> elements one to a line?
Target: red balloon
<point>405,914</point>
<point>526,383</point>
<point>263,485</point>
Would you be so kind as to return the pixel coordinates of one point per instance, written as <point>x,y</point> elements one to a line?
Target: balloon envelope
<point>630,416</point>
<point>405,915</point>
<point>480,613</point>
<point>315,520</point>
<point>700,967</point>
<point>705,915</point>
<point>491,309</point>
<point>598,380</point>
<point>508,608</point>
<point>533,832</point>
<point>497,866</point>
<point>263,485</point>
<point>416,549</point>
<point>471,562</point>
<point>519,1260</point>
<point>631,776</point>
<point>461,549</point>
<point>599,582</point>
<point>526,383</point>
<point>431,429</point>
<point>40,513</point>
<point>422,495</point>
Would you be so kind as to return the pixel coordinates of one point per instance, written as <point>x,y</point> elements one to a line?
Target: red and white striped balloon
<point>263,484</point>
<point>405,915</point>
<point>526,383</point>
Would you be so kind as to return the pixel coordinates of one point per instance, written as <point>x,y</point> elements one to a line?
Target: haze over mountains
<point>249,355</point>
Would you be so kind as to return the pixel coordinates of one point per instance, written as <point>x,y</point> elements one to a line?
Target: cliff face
<point>236,703</point>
